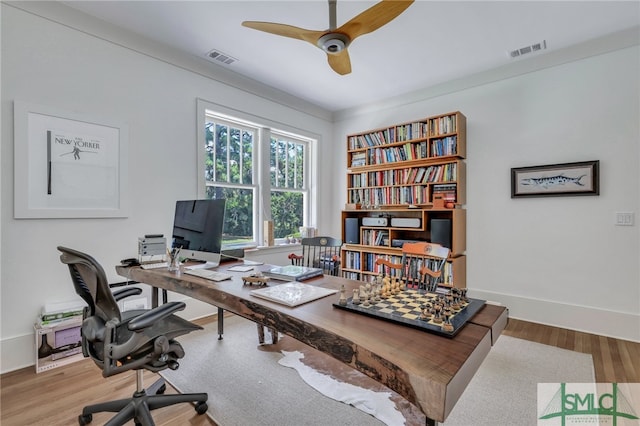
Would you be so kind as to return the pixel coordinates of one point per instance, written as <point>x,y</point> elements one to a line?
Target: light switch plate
<point>624,219</point>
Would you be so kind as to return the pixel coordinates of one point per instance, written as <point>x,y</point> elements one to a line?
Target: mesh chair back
<point>90,283</point>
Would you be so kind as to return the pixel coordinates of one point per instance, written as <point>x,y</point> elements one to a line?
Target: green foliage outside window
<point>229,174</point>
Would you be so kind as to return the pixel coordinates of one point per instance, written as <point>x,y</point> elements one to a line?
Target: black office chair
<point>317,252</point>
<point>131,340</point>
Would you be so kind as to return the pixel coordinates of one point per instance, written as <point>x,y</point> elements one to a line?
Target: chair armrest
<point>126,292</point>
<point>150,317</point>
<point>388,264</point>
<point>431,273</point>
<point>294,256</point>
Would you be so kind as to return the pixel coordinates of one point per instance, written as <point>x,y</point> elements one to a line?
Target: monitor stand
<point>205,265</point>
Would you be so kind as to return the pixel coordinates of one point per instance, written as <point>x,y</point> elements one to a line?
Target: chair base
<point>138,407</point>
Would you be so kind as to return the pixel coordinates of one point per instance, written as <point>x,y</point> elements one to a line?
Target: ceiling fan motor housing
<point>333,42</point>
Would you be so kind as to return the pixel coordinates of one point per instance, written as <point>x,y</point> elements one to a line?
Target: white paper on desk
<point>241,268</point>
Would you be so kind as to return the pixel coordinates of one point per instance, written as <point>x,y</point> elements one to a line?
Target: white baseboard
<point>620,325</point>
<point>17,352</point>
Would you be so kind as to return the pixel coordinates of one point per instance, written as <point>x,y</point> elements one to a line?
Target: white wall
<point>558,261</point>
<point>551,260</point>
<point>50,64</point>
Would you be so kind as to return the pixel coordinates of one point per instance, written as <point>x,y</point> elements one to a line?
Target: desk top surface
<point>428,370</point>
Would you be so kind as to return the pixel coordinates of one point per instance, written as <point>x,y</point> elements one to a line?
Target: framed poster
<point>567,179</point>
<point>67,165</point>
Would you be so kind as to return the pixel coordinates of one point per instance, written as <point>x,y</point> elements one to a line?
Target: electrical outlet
<point>624,218</point>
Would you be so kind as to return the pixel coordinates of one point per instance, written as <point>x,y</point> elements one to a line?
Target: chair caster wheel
<point>85,419</point>
<point>161,389</point>
<point>201,407</point>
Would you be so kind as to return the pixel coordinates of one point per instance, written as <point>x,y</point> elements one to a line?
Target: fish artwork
<point>552,181</point>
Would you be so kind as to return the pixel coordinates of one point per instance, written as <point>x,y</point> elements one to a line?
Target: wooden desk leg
<point>273,331</point>
<point>220,323</point>
<point>260,333</point>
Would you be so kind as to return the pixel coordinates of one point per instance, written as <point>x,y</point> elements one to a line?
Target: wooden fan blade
<point>374,17</point>
<point>310,36</point>
<point>340,62</point>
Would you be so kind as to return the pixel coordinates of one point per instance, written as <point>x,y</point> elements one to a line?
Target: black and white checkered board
<point>406,307</point>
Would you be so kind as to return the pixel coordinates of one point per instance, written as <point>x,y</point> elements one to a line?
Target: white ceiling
<point>431,43</point>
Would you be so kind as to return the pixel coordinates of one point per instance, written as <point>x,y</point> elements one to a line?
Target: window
<point>261,172</point>
<point>288,188</point>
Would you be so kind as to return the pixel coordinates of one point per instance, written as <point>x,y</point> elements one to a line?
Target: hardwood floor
<point>614,360</point>
<point>56,397</point>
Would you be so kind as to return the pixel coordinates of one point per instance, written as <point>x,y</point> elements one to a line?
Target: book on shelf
<point>59,321</point>
<point>61,310</point>
<point>292,273</point>
<point>293,293</point>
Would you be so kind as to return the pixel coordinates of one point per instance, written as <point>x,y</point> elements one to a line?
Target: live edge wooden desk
<point>428,370</point>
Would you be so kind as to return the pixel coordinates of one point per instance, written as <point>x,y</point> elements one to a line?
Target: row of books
<point>408,176</point>
<point>443,125</point>
<point>391,195</point>
<point>406,152</point>
<point>400,133</point>
<point>405,132</point>
<point>410,151</point>
<point>444,146</point>
<point>374,237</point>
<point>448,192</point>
<point>412,176</point>
<point>359,159</point>
<point>60,311</point>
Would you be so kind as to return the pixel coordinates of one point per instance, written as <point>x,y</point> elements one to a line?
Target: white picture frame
<point>68,165</point>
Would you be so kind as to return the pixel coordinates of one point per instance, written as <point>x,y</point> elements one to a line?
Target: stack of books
<point>56,313</point>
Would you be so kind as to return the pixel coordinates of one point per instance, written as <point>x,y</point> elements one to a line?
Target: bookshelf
<point>414,170</point>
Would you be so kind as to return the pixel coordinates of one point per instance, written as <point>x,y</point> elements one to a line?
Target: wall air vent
<point>528,49</point>
<point>218,56</point>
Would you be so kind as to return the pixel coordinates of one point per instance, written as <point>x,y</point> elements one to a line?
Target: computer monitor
<point>197,230</point>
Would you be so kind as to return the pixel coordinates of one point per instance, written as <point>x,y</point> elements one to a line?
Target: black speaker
<point>441,232</point>
<point>351,230</point>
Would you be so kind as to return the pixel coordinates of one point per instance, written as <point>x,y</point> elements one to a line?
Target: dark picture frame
<point>556,180</point>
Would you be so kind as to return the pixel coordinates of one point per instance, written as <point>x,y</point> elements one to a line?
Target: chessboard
<point>443,314</point>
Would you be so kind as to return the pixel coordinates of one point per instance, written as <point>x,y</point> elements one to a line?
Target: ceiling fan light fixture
<point>333,42</point>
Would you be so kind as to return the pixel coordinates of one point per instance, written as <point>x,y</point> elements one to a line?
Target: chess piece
<point>356,297</point>
<point>437,317</point>
<point>343,299</point>
<point>365,302</point>
<point>446,325</point>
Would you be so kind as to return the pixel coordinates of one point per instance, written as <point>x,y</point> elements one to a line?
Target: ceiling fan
<point>335,41</point>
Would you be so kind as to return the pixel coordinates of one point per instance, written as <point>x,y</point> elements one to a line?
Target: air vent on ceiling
<point>222,57</point>
<point>528,49</point>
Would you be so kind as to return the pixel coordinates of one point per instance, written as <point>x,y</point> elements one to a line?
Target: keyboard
<point>154,265</point>
<point>208,274</point>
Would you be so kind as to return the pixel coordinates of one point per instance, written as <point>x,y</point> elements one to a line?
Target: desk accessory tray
<point>405,308</point>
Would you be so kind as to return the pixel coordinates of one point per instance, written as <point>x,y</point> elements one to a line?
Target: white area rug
<point>248,386</point>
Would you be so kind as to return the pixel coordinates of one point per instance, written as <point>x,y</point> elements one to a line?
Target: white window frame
<point>261,174</point>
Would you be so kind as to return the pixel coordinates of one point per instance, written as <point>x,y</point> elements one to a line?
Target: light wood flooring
<point>56,397</point>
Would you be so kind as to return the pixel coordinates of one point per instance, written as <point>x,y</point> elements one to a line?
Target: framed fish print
<point>555,180</point>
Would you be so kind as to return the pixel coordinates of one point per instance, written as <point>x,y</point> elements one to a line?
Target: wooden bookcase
<point>413,170</point>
